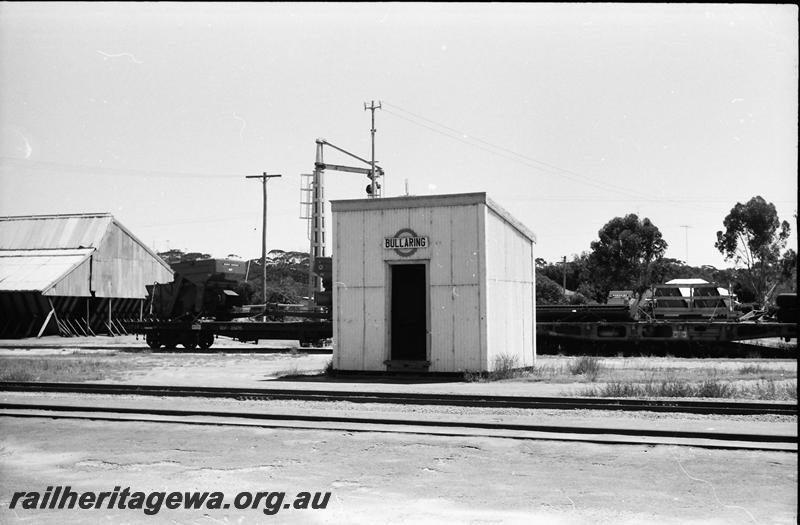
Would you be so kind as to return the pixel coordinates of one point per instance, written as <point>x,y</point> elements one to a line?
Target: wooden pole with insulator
<point>264,177</point>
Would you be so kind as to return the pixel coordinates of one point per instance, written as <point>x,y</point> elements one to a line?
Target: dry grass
<point>588,366</point>
<point>660,377</point>
<point>61,369</point>
<point>505,367</point>
<point>764,390</point>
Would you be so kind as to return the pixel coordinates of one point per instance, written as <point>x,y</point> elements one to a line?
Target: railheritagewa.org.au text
<point>64,497</point>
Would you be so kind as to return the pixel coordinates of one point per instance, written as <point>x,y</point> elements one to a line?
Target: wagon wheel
<point>189,342</point>
<point>205,341</point>
<point>170,342</point>
<point>152,341</point>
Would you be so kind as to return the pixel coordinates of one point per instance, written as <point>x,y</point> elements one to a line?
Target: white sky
<point>565,114</point>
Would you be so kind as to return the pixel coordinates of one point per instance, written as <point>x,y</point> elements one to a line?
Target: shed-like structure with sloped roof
<point>78,274</point>
<point>436,283</point>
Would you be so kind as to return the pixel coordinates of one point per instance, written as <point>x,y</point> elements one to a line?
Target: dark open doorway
<point>409,313</point>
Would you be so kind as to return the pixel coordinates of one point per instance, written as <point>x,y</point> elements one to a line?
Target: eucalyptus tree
<point>754,237</point>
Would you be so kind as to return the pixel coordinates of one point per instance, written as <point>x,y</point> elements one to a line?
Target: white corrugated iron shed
<point>79,255</point>
<point>471,270</point>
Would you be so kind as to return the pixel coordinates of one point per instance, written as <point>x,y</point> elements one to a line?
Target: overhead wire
<point>460,139</point>
<point>40,165</point>
<point>546,166</point>
<point>509,154</point>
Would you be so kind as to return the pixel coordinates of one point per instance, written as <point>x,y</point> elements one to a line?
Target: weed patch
<point>588,366</point>
<point>716,389</point>
<point>62,369</point>
<point>505,367</point>
<point>764,390</point>
<point>752,370</point>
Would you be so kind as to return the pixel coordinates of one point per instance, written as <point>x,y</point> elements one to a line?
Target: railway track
<point>786,442</point>
<point>487,401</point>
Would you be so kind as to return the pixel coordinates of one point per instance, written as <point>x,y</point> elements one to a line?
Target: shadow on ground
<point>398,378</point>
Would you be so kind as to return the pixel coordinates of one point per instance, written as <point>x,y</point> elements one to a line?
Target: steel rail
<point>605,435</point>
<point>488,401</point>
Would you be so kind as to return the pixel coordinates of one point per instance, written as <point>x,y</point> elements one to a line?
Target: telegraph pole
<point>263,178</point>
<point>372,107</point>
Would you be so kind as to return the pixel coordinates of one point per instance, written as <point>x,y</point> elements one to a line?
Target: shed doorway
<point>408,316</point>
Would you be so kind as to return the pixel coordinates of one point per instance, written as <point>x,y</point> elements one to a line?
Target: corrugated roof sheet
<point>41,232</point>
<point>38,252</point>
<point>37,270</point>
<point>432,201</point>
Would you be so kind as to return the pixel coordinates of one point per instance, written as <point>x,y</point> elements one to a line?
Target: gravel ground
<point>231,368</point>
<point>766,424</point>
<point>391,479</point>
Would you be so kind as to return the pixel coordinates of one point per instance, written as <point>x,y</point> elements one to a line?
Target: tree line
<point>629,255</point>
<point>287,275</point>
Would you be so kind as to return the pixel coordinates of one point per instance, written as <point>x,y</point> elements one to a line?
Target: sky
<point>567,115</point>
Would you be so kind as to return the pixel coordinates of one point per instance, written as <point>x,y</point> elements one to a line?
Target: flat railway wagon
<point>202,333</point>
<point>202,303</point>
<point>675,324</point>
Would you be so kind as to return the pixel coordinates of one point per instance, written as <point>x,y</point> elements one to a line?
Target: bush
<point>504,367</point>
<point>670,389</point>
<point>547,291</point>
<point>470,376</point>
<point>588,366</point>
<point>715,389</point>
<point>577,299</point>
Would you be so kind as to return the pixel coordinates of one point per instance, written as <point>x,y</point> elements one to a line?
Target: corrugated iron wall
<point>121,267</point>
<point>510,292</point>
<point>361,264</point>
<point>75,283</point>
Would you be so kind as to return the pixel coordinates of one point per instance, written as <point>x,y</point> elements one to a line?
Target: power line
<point>82,169</point>
<point>545,166</point>
<point>500,154</point>
<point>530,162</point>
<point>264,178</point>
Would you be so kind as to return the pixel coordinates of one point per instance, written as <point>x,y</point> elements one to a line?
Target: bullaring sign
<point>405,242</point>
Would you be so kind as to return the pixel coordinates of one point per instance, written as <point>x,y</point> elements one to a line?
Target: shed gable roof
<point>53,232</point>
<point>39,251</point>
